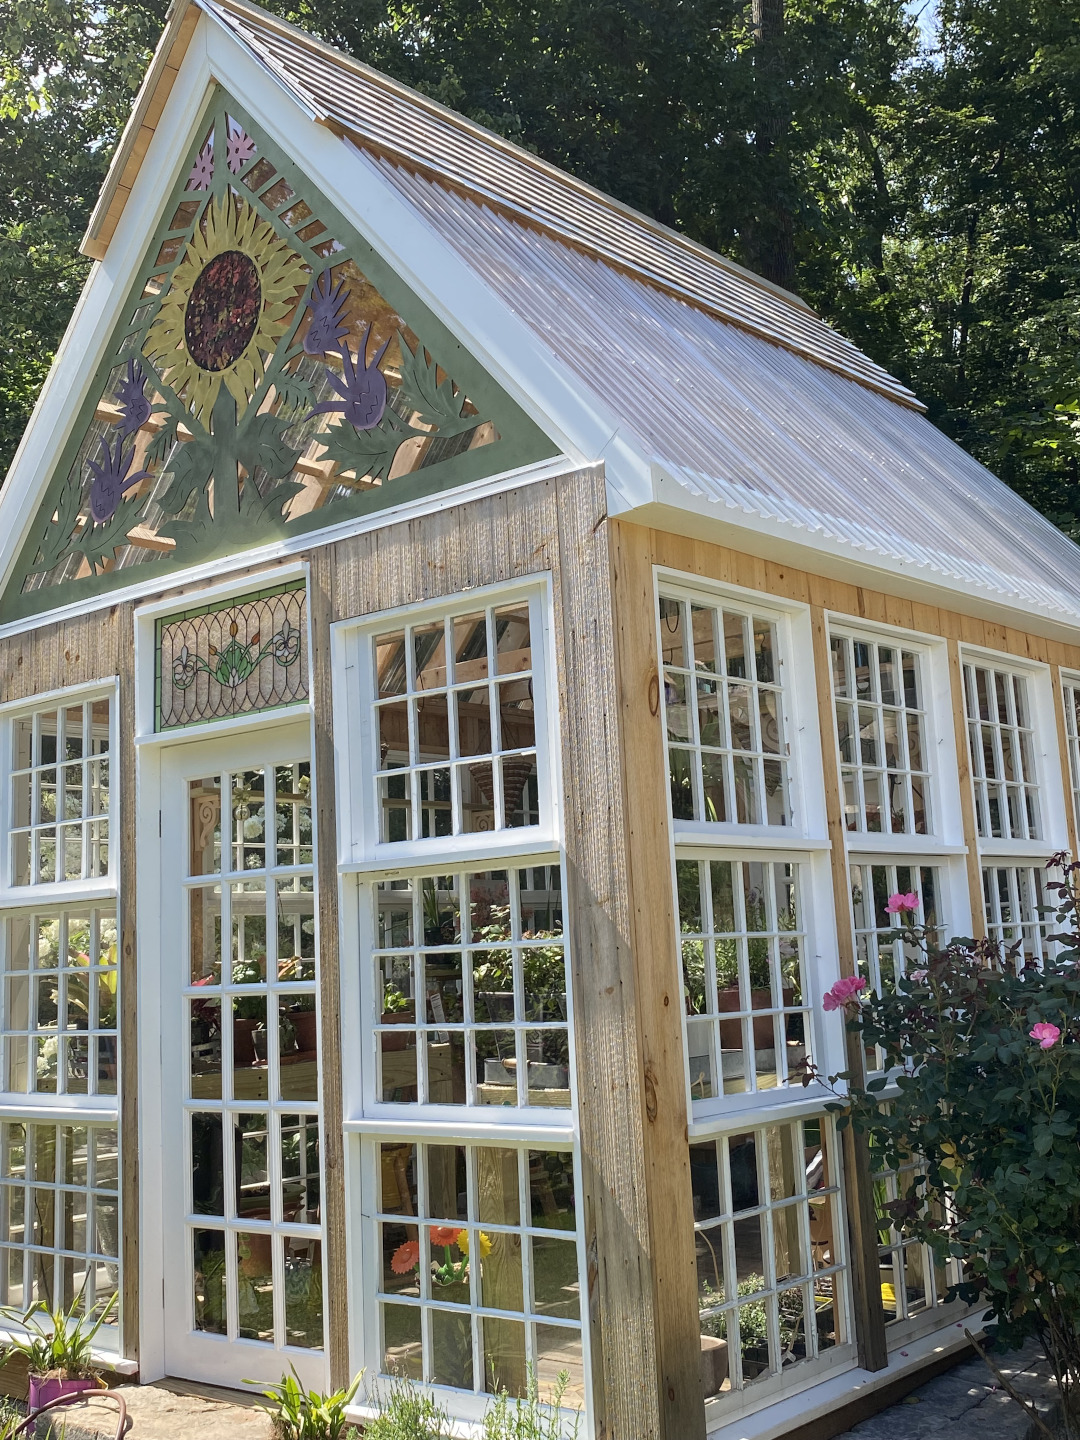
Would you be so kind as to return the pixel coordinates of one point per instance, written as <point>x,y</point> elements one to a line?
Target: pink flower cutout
<point>405,1258</point>
<point>843,993</point>
<point>898,902</point>
<point>1046,1034</point>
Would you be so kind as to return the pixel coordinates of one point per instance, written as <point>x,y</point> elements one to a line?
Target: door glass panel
<point>251,1087</point>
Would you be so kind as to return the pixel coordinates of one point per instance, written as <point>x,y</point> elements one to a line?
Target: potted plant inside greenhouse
<point>57,1346</point>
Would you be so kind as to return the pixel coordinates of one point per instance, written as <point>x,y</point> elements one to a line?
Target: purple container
<point>43,1390</point>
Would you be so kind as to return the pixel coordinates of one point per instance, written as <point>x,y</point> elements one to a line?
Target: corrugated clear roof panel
<point>754,426</point>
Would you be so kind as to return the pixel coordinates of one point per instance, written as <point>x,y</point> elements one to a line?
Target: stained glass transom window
<point>270,372</point>
<point>479,1280</point>
<point>60,794</point>
<point>221,660</point>
<point>723,710</point>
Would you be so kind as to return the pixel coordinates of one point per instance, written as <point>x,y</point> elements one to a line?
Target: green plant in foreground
<point>529,1418</point>
<point>56,1342</point>
<point>982,1087</point>
<point>406,1413</point>
<point>297,1413</point>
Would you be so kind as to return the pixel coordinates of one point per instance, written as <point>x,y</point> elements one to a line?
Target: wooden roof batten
<point>458,153</point>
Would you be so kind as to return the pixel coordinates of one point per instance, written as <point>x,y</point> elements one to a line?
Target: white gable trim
<point>498,341</point>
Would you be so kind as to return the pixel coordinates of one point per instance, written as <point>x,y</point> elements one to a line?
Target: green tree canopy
<point>926,202</point>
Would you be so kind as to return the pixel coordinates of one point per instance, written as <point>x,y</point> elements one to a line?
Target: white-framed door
<point>240,1173</point>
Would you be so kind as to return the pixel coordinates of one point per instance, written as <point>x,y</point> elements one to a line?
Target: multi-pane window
<point>479,1282</point>
<point>1001,740</point>
<point>1071,696</point>
<point>254,1236</point>
<point>881,952</point>
<point>1019,914</point>
<point>59,825</point>
<point>724,714</point>
<point>881,728</point>
<point>60,1001</point>
<point>59,1216</point>
<point>470,981</point>
<point>455,725</point>
<point>743,959</point>
<point>768,1232</point>
<point>912,1280</point>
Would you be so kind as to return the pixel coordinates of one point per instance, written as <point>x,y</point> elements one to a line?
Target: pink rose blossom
<point>1046,1034</point>
<point>843,992</point>
<point>918,976</point>
<point>896,903</point>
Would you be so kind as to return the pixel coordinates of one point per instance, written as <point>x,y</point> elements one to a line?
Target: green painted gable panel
<point>271,375</point>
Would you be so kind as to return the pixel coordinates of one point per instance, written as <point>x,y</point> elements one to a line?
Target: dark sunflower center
<point>222,311</point>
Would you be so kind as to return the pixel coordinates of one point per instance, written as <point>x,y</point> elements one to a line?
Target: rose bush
<point>982,1081</point>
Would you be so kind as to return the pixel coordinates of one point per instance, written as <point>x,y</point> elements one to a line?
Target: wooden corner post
<point>861,1211</point>
<point>627,983</point>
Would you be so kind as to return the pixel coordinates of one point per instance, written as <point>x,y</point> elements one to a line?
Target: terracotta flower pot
<point>305,1026</point>
<point>731,1030</point>
<point>243,1042</point>
<point>714,1364</point>
<point>396,1042</point>
<point>46,1388</point>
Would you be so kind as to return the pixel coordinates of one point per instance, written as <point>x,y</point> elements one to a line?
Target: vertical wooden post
<point>128,1032</point>
<point>1066,761</point>
<point>335,1303</point>
<point>861,1211</point>
<point>626,985</point>
<point>967,794</point>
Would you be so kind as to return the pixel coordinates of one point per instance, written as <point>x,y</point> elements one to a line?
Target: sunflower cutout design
<point>229,304</point>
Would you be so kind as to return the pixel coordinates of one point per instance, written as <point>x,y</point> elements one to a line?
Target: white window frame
<point>365,1260</point>
<point>40,1107</point>
<point>795,666</point>
<point>359,847</point>
<point>946,834</point>
<point>58,891</point>
<point>1049,780</point>
<point>722,1411</point>
<point>1070,700</point>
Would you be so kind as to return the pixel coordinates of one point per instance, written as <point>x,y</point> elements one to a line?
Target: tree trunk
<point>772,239</point>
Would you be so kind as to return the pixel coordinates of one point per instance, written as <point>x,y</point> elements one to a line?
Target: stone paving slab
<point>969,1403</point>
<point>162,1412</point>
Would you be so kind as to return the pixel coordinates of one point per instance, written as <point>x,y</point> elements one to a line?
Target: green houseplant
<point>297,1413</point>
<point>56,1345</point>
<point>982,1084</point>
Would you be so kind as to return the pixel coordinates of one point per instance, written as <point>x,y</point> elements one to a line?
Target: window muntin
<point>912,1281</point>
<point>470,982</point>
<point>60,794</point>
<point>881,954</point>
<point>59,1217</point>
<point>743,957</point>
<point>445,1319</point>
<point>881,728</point>
<point>1001,740</point>
<point>60,1001</point>
<point>253,1237</point>
<point>1018,910</point>
<point>455,724</point>
<point>768,1230</point>
<point>724,714</point>
<point>1071,696</point>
